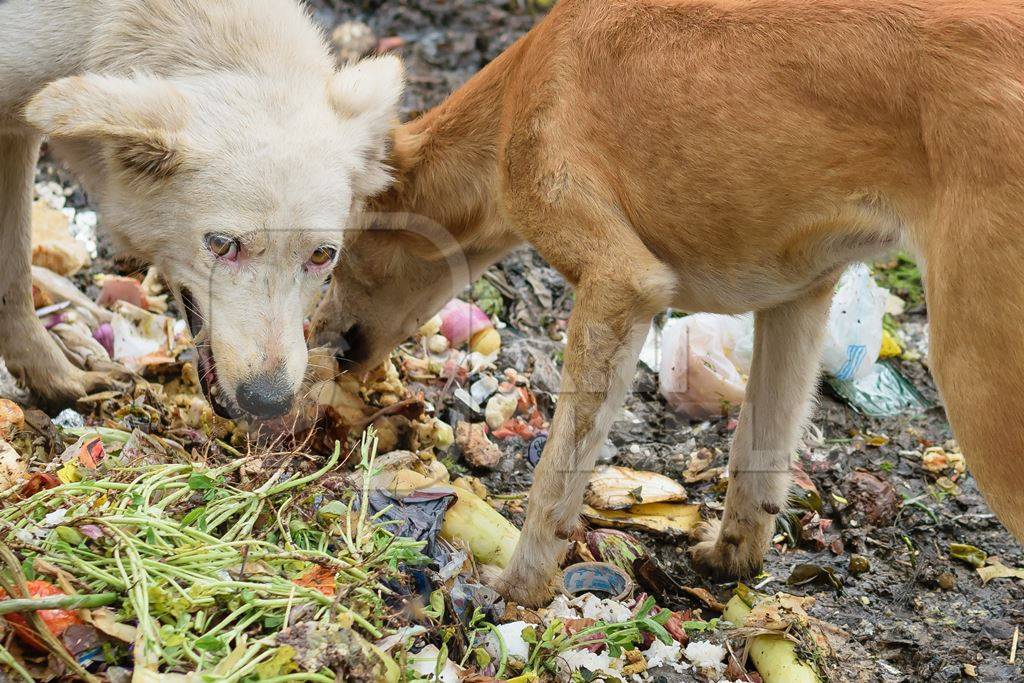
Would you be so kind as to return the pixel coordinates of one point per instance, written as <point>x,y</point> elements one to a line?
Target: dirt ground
<point>917,614</point>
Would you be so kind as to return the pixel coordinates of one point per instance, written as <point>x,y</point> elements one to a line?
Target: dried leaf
<point>105,620</point>
<point>997,570</point>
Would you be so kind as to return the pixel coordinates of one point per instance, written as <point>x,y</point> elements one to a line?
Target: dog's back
<point>756,146</point>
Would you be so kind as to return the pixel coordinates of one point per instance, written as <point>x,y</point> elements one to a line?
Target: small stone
<point>947,581</point>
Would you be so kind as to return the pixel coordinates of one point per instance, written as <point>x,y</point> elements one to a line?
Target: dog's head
<point>237,187</point>
<point>396,270</point>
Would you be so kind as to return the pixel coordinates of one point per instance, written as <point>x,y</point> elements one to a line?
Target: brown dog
<point>724,156</point>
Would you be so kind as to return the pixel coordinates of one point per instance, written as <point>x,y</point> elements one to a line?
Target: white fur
<point>185,117</point>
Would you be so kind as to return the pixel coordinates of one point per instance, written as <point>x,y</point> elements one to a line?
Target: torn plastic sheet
<point>883,392</point>
<point>419,514</point>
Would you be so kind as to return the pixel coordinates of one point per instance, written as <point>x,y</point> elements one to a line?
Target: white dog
<point>222,147</point>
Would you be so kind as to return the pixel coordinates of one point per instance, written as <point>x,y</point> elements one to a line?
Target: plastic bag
<point>705,361</point>
<point>854,336</point>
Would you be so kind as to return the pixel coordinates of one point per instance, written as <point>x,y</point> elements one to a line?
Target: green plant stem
<point>58,602</point>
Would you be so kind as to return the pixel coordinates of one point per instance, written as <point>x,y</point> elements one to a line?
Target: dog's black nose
<point>265,396</point>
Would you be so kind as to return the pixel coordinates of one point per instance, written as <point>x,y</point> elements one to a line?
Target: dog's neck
<point>446,161</point>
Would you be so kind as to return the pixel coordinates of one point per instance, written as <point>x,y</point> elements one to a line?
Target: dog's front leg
<point>787,346</point>
<point>28,350</point>
<point>606,331</point>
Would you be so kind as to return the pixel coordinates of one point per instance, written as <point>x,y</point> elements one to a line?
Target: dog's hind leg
<point>28,350</point>
<point>974,285</point>
<point>787,345</point>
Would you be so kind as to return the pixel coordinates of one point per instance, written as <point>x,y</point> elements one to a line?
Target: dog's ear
<point>367,93</point>
<point>134,119</point>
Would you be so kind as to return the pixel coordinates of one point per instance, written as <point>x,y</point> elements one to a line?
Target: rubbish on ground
<point>56,620</point>
<point>805,573</point>
<point>352,40</point>
<point>937,460</point>
<point>870,498</point>
<point>69,419</point>
<point>854,332</point>
<point>12,418</point>
<point>417,515</point>
<point>705,358</point>
<point>477,449</point>
<point>603,579</point>
<point>53,246</point>
<point>995,569</point>
<point>211,586</point>
<point>13,467</point>
<point>500,408</point>
<point>462,321</point>
<point>706,655</point>
<point>490,537</point>
<point>58,289</point>
<point>774,655</point>
<point>615,547</point>
<point>968,553</point>
<point>114,288</point>
<point>698,466</point>
<point>511,636</point>
<point>890,346</point>
<point>705,361</point>
<point>859,564</point>
<point>486,342</point>
<point>536,449</point>
<point>143,339</point>
<point>882,392</point>
<point>618,488</point>
<point>431,665</point>
<point>657,517</point>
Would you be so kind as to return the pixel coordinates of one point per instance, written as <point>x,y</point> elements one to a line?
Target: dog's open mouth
<point>207,366</point>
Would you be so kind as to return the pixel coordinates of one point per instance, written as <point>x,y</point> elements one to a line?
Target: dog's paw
<point>527,591</point>
<point>728,553</point>
<point>63,386</point>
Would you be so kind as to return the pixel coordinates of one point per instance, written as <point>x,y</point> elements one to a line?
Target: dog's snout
<point>265,395</point>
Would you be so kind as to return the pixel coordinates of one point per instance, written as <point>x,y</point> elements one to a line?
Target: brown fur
<point>725,156</point>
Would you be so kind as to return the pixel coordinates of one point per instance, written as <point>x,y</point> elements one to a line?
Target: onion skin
<point>104,334</point>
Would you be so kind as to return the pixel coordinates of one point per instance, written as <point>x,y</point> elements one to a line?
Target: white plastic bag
<point>854,335</point>
<point>705,361</point>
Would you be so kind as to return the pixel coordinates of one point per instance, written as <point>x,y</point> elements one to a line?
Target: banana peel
<point>662,518</point>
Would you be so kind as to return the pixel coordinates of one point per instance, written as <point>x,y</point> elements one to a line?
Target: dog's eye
<point>222,246</point>
<point>321,256</point>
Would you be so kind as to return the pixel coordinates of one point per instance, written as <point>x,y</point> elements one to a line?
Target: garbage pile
<point>145,538</point>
